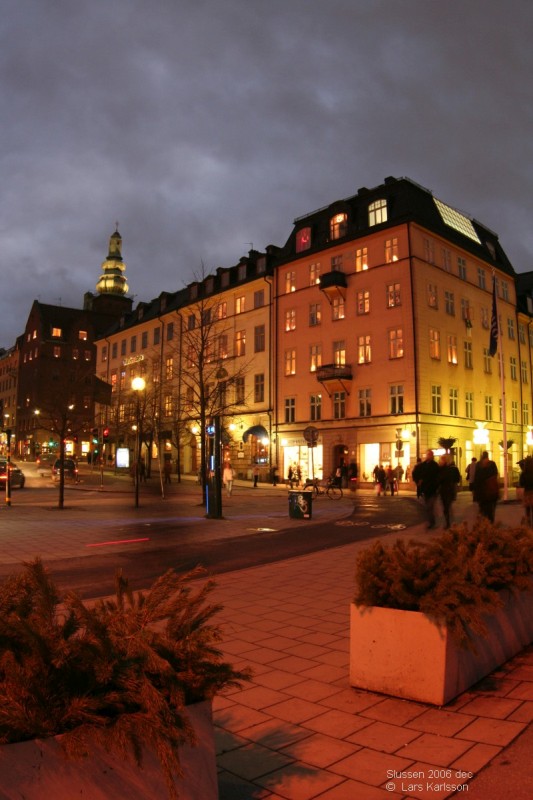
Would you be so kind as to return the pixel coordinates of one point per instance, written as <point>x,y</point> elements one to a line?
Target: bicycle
<point>330,489</point>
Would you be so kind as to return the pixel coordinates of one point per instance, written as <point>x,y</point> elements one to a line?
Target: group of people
<point>387,479</point>
<point>441,480</point>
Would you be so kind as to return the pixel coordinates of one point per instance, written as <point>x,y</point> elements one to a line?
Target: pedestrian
<point>398,475</point>
<point>426,476</point>
<point>391,478</point>
<point>228,476</point>
<point>486,487</point>
<point>337,480</point>
<point>471,473</point>
<point>449,478</point>
<point>274,475</point>
<point>381,481</point>
<point>408,473</point>
<point>167,470</point>
<point>255,474</point>
<point>526,483</point>
<point>416,480</point>
<point>353,474</point>
<point>142,470</point>
<point>298,476</point>
<point>290,476</point>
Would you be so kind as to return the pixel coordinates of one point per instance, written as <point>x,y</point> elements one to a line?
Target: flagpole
<point>495,322</point>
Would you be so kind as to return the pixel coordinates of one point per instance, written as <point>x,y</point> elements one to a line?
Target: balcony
<point>335,378</point>
<point>333,283</point>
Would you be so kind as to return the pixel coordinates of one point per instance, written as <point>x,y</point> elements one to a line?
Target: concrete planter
<point>38,769</point>
<point>405,654</point>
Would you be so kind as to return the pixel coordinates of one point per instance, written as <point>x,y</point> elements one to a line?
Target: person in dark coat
<point>526,483</point>
<point>449,479</point>
<point>486,489</point>
<point>426,476</point>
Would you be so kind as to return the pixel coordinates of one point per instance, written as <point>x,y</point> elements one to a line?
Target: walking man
<point>426,476</point>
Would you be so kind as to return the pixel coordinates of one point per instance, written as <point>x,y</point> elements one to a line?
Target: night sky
<point>206,126</point>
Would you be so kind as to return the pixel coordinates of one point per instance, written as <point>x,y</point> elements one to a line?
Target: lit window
<point>396,343</point>
<point>239,305</point>
<point>338,225</point>
<point>315,357</point>
<point>75,354</point>
<point>56,333</point>
<point>223,346</point>
<point>314,274</point>
<point>393,295</point>
<point>377,212</point>
<point>57,352</point>
<point>315,314</point>
<point>433,298</point>
<point>339,353</point>
<point>290,362</point>
<point>222,310</point>
<point>434,343</point>
<point>87,355</point>
<point>361,259</point>
<point>168,405</point>
<point>450,216</point>
<point>169,368</point>
<point>363,302</point>
<point>364,349</point>
<point>290,282</point>
<point>391,250</point>
<point>303,239</point>
<point>83,336</point>
<point>337,307</point>
<point>240,343</point>
<point>104,353</point>
<point>290,319</point>
<point>452,349</point>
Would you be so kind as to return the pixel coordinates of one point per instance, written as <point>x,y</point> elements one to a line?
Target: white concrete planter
<point>38,769</point>
<point>405,654</point>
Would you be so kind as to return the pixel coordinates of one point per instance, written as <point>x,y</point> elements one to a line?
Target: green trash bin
<point>300,504</point>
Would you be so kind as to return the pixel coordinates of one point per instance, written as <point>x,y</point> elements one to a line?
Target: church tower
<point>113,280</point>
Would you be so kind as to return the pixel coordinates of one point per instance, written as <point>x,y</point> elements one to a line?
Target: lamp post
<point>138,385</point>
<point>8,460</point>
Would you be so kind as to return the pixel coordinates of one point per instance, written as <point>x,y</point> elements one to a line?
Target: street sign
<point>310,435</point>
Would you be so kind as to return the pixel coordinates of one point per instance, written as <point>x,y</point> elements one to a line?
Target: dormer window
<point>56,333</point>
<point>209,285</point>
<point>377,212</point>
<point>242,272</point>
<point>83,336</point>
<point>303,239</point>
<point>337,226</point>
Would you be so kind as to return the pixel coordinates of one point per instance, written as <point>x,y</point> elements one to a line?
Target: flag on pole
<point>493,344</point>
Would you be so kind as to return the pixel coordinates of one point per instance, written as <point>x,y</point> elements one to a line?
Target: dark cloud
<point>205,125</point>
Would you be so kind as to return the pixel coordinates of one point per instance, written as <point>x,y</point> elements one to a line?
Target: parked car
<point>45,459</point>
<point>17,477</point>
<point>70,469</point>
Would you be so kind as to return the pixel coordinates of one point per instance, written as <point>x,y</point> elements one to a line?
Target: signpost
<point>310,435</point>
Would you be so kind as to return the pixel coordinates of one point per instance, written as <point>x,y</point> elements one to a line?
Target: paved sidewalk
<point>298,731</point>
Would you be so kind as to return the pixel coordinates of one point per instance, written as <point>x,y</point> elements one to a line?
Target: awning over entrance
<point>256,430</point>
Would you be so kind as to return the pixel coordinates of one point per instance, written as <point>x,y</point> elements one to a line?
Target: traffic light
<point>105,435</point>
<point>94,433</point>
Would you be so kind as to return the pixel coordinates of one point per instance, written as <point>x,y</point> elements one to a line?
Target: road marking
<point>118,541</point>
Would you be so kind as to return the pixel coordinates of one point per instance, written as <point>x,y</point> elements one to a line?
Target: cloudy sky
<point>203,126</point>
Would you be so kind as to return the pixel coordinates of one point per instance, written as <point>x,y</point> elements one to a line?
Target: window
<point>436,399</point>
<point>75,354</point>
<point>239,390</point>
<point>487,361</point>
<point>191,322</point>
<point>222,310</point>
<point>429,251</point>
<point>461,268</point>
<point>467,349</point>
<point>303,239</point>
<point>523,372</point>
<point>339,405</point>
<point>364,349</point>
<point>336,263</point>
<point>391,250</point>
<point>290,362</point>
<point>87,355</point>
<point>240,303</point>
<point>170,331</point>
<point>469,405</point>
<point>396,399</point>
<point>454,402</point>
<point>485,317</point>
<point>377,212</point>
<point>521,333</point>
<point>396,343</point>
<point>512,362</point>
<point>290,409</point>
<point>481,279</point>
<point>433,300</point>
<point>290,319</point>
<point>510,328</point>
<point>168,405</point>
<point>259,388</point>
<point>315,407</point>
<point>446,259</point>
<point>449,303</point>
<point>57,353</point>
<point>315,314</point>
<point>365,402</point>
<point>338,225</point>
<point>144,340</point>
<point>488,407</point>
<point>82,336</point>
<point>363,302</point>
<point>434,343</point>
<point>114,350</point>
<point>315,357</point>
<point>505,290</point>
<point>259,298</point>
<point>514,412</point>
<point>452,349</point>
<point>224,279</point>
<point>361,259</point>
<point>337,307</point>
<point>259,339</point>
<point>466,313</point>
<point>339,353</point>
<point>290,282</point>
<point>241,272</point>
<point>56,333</point>
<point>393,295</point>
<point>169,368</point>
<point>123,347</point>
<point>133,344</point>
<point>525,414</point>
<point>240,343</point>
<point>314,274</point>
<point>223,351</point>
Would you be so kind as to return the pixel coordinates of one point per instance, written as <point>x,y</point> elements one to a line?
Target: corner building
<point>382,315</point>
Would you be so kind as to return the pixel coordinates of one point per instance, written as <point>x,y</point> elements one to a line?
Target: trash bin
<point>300,504</point>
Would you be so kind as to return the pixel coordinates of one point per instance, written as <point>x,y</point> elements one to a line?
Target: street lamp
<point>138,385</point>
